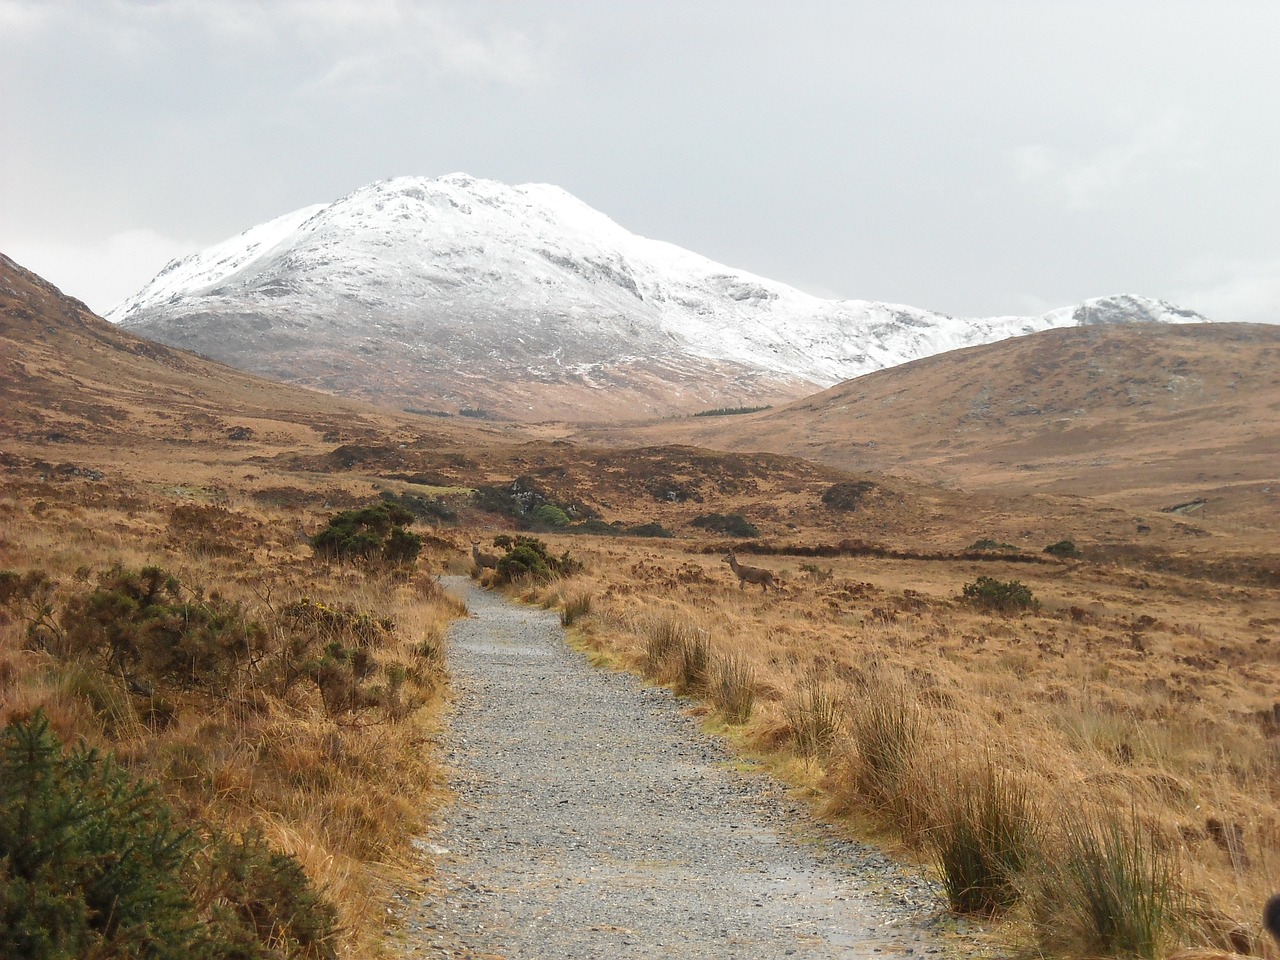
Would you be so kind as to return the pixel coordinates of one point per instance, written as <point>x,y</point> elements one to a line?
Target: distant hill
<point>1167,409</point>
<point>522,301</point>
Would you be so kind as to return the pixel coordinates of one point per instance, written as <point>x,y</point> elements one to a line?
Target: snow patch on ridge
<point>480,272</point>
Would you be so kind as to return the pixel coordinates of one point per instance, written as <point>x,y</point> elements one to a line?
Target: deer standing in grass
<point>750,574</point>
<point>484,561</point>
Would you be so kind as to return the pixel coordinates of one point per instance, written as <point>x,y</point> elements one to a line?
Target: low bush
<point>528,558</point>
<point>730,524</point>
<point>142,625</point>
<point>986,544</point>
<point>430,509</point>
<point>1005,595</point>
<point>1063,548</point>
<point>848,494</point>
<point>368,535</point>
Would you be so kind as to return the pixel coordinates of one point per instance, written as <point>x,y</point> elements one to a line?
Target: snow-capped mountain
<point>458,292</point>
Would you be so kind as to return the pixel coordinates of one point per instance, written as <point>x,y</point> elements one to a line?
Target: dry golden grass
<point>1124,689</point>
<point>344,794</point>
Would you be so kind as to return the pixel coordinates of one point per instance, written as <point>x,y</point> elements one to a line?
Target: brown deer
<point>1271,916</point>
<point>484,561</point>
<point>750,574</point>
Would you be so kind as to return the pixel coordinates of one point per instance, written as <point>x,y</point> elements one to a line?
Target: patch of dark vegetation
<point>667,490</point>
<point>617,528</point>
<point>1258,570</point>
<point>374,534</point>
<point>431,509</point>
<point>730,411</point>
<point>94,863</point>
<point>350,454</point>
<point>428,413</point>
<point>477,413</point>
<point>1007,596</point>
<point>848,494</point>
<point>531,505</point>
<point>730,524</point>
<point>423,479</point>
<point>1063,548</point>
<point>212,530</point>
<point>860,548</point>
<point>986,544</point>
<point>528,558</point>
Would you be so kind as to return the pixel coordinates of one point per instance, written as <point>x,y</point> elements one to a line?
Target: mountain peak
<point>460,292</point>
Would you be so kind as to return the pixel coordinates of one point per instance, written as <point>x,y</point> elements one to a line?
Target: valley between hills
<point>1025,629</point>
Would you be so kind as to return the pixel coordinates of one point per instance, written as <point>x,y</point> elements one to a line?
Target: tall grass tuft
<point>693,662</point>
<point>984,840</point>
<point>574,607</point>
<point>1109,891</point>
<point>815,716</point>
<point>733,687</point>
<point>888,732</point>
<point>663,637</point>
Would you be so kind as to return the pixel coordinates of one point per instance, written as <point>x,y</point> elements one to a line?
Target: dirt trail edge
<point>594,820</point>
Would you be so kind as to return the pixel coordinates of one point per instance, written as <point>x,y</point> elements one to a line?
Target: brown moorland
<point>1139,679</point>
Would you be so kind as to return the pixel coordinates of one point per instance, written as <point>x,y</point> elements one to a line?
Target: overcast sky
<point>976,158</point>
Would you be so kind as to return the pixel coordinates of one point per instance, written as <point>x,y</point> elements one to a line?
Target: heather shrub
<point>370,534</point>
<point>143,625</point>
<point>1004,595</point>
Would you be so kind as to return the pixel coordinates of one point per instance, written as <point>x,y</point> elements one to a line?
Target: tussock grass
<point>733,687</point>
<point>985,838</point>
<point>948,727</point>
<point>815,716</point>
<point>574,607</point>
<point>1108,888</point>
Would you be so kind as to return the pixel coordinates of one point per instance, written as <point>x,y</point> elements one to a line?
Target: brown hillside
<point>1160,414</point>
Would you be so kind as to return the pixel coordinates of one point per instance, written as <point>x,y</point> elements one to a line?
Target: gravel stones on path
<point>593,819</point>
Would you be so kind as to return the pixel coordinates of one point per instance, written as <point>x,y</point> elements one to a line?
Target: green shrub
<point>1063,548</point>
<point>92,864</point>
<point>140,624</point>
<point>1006,595</point>
<point>431,509</point>
<point>527,558</point>
<point>984,840</point>
<point>730,524</point>
<point>369,534</point>
<point>1110,891</point>
<point>549,515</point>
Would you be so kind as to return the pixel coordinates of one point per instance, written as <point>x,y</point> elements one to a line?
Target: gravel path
<point>594,820</point>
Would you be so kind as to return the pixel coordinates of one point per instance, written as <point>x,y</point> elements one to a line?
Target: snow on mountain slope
<point>523,299</point>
